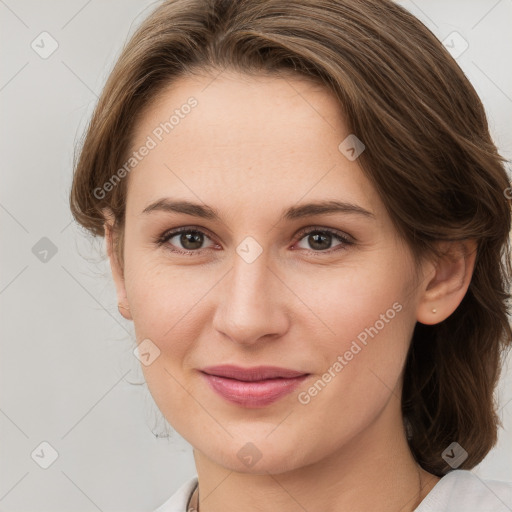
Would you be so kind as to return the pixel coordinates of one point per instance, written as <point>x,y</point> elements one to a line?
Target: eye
<point>190,239</point>
<point>320,239</point>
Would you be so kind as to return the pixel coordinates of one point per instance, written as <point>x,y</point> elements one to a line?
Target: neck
<point>373,471</point>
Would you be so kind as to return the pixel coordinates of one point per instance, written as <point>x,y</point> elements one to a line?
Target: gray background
<point>68,375</point>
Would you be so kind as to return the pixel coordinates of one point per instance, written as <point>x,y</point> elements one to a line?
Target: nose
<point>252,303</point>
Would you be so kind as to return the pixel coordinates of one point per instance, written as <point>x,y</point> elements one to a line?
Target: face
<point>255,278</point>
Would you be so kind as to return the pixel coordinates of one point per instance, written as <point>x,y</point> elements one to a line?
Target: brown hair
<point>428,153</point>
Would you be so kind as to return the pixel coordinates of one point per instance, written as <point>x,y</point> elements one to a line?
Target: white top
<point>458,491</point>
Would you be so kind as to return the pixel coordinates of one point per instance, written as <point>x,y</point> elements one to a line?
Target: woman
<point>306,220</point>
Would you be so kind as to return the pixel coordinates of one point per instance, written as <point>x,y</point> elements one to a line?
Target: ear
<point>115,266</point>
<point>447,281</point>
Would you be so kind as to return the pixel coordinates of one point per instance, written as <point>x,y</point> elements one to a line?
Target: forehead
<point>258,136</point>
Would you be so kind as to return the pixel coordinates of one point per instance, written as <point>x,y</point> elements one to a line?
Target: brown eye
<point>184,240</point>
<point>191,240</point>
<point>320,240</point>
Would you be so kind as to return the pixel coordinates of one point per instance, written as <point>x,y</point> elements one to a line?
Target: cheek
<point>355,301</point>
<point>165,302</point>
<point>162,296</point>
<point>360,357</point>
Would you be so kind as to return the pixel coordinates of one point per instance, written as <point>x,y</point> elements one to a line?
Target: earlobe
<point>446,286</point>
<point>117,272</point>
<point>124,310</point>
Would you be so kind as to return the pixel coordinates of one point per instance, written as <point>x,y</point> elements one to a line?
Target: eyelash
<point>341,237</point>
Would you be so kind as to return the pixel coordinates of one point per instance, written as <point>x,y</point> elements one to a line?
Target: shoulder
<point>463,491</point>
<point>179,500</point>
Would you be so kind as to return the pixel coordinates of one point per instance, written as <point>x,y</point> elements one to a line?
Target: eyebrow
<point>294,212</point>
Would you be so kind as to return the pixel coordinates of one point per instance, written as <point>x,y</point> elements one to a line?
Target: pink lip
<point>252,387</point>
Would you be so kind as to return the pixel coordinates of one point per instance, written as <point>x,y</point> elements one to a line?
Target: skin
<point>254,146</point>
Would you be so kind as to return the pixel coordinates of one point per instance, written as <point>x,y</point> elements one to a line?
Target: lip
<point>252,387</point>
<point>251,374</point>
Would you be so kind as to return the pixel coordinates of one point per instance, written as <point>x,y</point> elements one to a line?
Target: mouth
<point>252,387</point>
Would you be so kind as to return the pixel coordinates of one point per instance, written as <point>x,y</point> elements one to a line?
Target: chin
<point>259,457</point>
